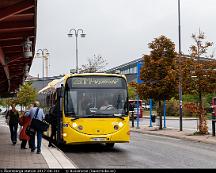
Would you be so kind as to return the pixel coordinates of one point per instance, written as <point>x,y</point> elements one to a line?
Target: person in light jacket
<point>40,116</point>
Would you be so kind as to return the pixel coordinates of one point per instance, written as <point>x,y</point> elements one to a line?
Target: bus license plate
<point>99,139</point>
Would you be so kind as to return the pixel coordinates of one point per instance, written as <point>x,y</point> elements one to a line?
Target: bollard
<point>153,117</point>
<point>213,127</point>
<point>132,118</point>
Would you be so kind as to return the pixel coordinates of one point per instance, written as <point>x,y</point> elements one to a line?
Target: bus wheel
<point>110,145</point>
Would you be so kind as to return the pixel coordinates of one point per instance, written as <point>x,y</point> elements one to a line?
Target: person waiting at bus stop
<point>36,112</point>
<point>13,116</point>
<point>53,121</point>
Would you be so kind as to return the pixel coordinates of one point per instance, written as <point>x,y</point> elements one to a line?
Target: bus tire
<point>110,145</point>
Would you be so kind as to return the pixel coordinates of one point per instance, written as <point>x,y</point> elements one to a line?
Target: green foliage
<point>172,107</point>
<point>6,102</point>
<point>190,98</point>
<point>26,95</point>
<point>131,92</point>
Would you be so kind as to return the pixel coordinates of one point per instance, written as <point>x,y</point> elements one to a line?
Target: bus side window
<point>61,104</point>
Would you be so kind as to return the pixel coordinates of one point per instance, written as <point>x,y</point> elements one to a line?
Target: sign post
<point>150,112</point>
<point>139,81</point>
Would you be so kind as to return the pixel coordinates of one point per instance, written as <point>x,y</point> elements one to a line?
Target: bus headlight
<point>74,125</point>
<point>120,124</point>
<point>64,134</point>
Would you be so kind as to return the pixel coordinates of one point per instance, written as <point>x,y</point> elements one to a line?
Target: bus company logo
<point>65,125</point>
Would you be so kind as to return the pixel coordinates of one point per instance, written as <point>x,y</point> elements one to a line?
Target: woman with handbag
<point>24,121</point>
<point>36,113</point>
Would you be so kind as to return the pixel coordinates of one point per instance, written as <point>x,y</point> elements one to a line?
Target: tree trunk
<point>203,128</point>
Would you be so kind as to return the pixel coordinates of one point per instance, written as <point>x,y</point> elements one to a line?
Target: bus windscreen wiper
<point>118,116</point>
<point>74,118</point>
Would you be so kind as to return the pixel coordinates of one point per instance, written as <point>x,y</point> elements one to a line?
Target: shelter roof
<point>17,23</point>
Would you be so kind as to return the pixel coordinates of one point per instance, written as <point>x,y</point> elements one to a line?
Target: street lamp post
<point>180,75</point>
<point>44,53</point>
<point>76,32</point>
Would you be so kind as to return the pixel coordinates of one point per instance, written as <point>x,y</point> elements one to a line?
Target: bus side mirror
<point>60,91</point>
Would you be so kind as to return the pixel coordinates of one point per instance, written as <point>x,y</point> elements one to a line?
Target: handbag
<point>21,120</point>
<point>39,125</point>
<point>29,131</point>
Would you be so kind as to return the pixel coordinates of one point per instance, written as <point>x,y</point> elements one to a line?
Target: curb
<point>171,118</point>
<point>55,158</point>
<point>174,136</point>
<point>75,166</point>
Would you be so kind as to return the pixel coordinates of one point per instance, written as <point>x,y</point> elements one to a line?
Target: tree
<point>6,102</point>
<point>26,95</point>
<point>132,91</point>
<point>95,64</point>
<point>159,72</point>
<point>200,75</point>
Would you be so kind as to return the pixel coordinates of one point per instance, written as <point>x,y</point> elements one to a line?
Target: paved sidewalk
<point>11,156</point>
<point>186,135</point>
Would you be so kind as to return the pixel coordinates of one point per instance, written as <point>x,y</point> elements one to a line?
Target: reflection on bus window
<point>83,102</point>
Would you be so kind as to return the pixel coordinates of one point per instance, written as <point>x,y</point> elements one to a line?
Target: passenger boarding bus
<point>92,108</point>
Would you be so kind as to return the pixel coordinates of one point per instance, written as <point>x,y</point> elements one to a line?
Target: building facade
<point>128,69</point>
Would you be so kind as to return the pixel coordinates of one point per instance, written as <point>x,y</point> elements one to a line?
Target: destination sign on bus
<point>110,82</point>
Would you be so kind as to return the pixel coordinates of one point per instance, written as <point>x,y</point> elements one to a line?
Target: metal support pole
<point>76,34</point>
<point>164,112</point>
<point>138,112</point>
<point>180,75</point>
<point>150,102</point>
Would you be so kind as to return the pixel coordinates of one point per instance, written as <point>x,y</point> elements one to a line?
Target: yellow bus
<point>93,108</point>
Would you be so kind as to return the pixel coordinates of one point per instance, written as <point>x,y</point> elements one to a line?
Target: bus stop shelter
<point>17,43</point>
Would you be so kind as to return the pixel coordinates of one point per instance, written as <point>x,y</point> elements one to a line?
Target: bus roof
<point>97,74</point>
<point>56,83</point>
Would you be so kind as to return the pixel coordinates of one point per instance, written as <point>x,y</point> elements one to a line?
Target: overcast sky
<point>118,30</point>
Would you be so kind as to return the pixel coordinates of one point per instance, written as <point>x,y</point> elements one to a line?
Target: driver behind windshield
<point>106,106</point>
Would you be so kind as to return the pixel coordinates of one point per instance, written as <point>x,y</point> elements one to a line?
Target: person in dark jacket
<point>13,116</point>
<point>53,122</point>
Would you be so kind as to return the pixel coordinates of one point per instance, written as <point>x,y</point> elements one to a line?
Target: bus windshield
<point>95,97</point>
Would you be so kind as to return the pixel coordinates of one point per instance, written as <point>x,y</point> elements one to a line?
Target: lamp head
<point>38,54</point>
<point>83,35</point>
<point>70,35</point>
